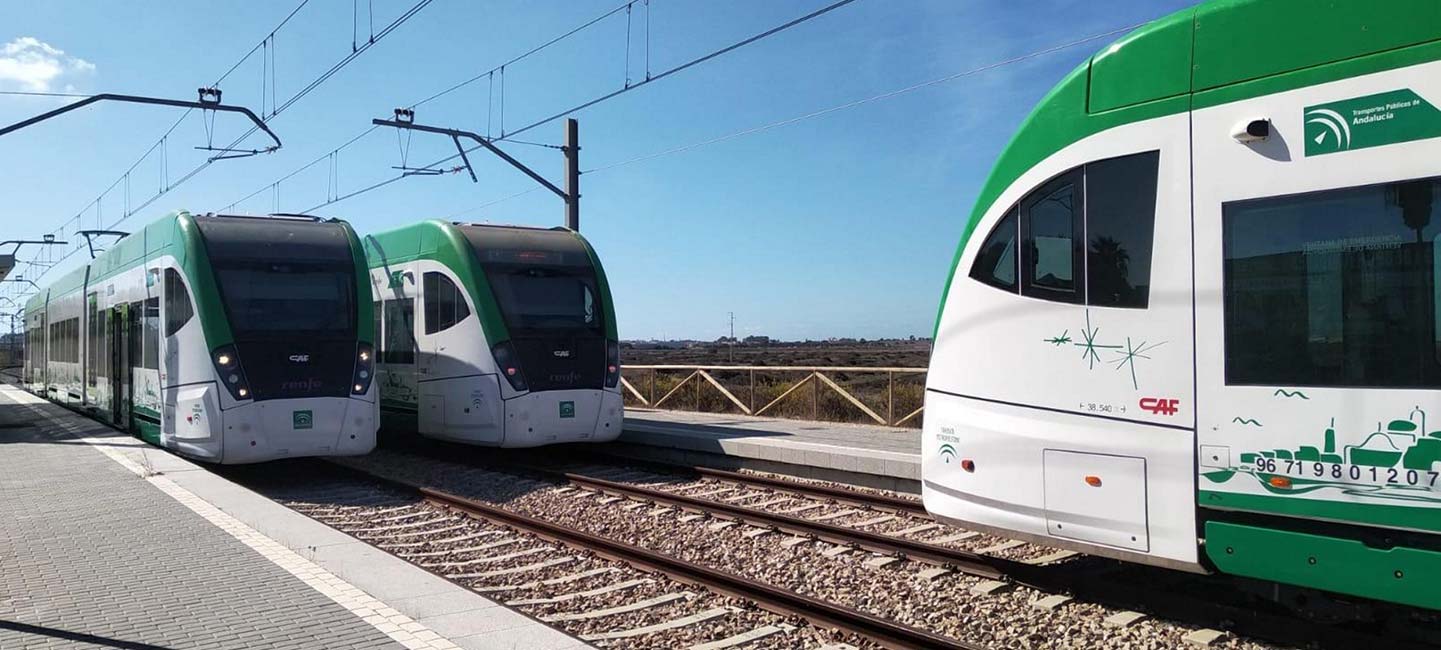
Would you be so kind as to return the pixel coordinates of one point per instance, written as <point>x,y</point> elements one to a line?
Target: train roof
<point>122,254</point>
<point>1215,53</point>
<point>179,234</point>
<point>459,246</point>
<point>281,237</point>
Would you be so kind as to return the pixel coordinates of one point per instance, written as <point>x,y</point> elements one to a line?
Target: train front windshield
<point>278,299</point>
<point>549,296</point>
<point>546,298</point>
<point>289,292</point>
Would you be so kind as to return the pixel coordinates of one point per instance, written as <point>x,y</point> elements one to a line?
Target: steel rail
<point>775,599</point>
<point>968,562</point>
<point>1094,584</point>
<point>883,501</point>
<point>780,601</point>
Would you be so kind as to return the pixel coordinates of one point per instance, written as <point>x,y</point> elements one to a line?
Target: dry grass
<point>891,396</point>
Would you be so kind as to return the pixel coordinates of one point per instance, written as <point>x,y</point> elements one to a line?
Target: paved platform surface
<point>886,457</point>
<point>108,542</point>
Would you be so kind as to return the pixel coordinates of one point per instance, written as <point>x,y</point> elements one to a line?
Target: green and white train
<point>1195,318</point>
<point>494,335</point>
<point>226,339</point>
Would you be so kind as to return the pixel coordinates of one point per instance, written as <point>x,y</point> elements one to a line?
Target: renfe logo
<point>300,358</point>
<point>1160,405</point>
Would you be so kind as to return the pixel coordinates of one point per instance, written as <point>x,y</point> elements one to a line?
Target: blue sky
<point>841,225</point>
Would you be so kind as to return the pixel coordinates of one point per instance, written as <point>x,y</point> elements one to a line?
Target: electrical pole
<point>733,338</point>
<point>405,119</point>
<point>572,175</point>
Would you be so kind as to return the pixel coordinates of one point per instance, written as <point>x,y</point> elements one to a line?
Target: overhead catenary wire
<point>524,55</point>
<point>874,98</point>
<point>489,75</point>
<point>592,102</point>
<point>168,186</point>
<point>258,46</point>
<point>34,93</point>
<point>833,109</point>
<point>158,144</point>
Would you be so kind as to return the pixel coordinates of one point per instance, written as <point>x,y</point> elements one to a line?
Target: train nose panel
<point>557,416</point>
<point>1096,498</point>
<point>292,428</point>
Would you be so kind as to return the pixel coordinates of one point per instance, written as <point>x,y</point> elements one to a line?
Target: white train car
<point>499,336</point>
<point>226,339</point>
<point>1195,319</point>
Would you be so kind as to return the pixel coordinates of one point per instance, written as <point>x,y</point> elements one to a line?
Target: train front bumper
<point>295,428</point>
<point>560,416</point>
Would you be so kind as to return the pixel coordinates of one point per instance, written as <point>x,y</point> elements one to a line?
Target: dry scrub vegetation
<point>892,396</point>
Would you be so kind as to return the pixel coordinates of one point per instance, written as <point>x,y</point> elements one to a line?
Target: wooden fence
<point>641,385</point>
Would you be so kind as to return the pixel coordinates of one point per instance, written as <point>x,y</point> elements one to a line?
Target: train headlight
<point>612,363</point>
<point>364,369</point>
<point>227,367</point>
<point>509,364</point>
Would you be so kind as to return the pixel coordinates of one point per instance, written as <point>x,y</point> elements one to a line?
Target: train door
<point>1318,317</point>
<point>90,388</point>
<point>429,376</point>
<point>397,368</point>
<point>42,354</point>
<point>134,351</point>
<point>120,366</point>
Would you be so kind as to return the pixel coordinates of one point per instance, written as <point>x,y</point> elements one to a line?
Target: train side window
<point>444,304</point>
<point>996,263</point>
<point>150,356</point>
<point>178,309</point>
<point>1334,288</point>
<point>399,326</point>
<point>1120,230</point>
<point>1051,227</point>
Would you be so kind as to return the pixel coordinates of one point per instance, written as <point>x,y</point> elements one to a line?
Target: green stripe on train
<point>1398,574</point>
<point>441,242</point>
<point>1391,516</point>
<point>1217,53</point>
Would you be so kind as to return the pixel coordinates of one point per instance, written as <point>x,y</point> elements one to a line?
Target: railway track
<point>419,524</point>
<point>788,603</point>
<point>1219,602</point>
<point>856,497</point>
<point>411,518</point>
<point>972,563</point>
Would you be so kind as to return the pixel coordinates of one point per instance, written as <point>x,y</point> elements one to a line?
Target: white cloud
<point>29,64</point>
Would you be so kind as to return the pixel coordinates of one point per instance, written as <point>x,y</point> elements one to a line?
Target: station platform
<point>108,542</point>
<point>872,456</point>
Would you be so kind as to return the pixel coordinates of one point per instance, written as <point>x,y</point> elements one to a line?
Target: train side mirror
<point>1256,130</point>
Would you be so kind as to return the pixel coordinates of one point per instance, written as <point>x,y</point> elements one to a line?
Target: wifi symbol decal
<point>1334,131</point>
<point>948,454</point>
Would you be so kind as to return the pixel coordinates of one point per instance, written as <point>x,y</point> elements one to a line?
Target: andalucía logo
<point>1370,121</point>
<point>948,453</point>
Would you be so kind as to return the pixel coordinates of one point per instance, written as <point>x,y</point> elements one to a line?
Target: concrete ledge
<point>463,617</point>
<point>871,456</point>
